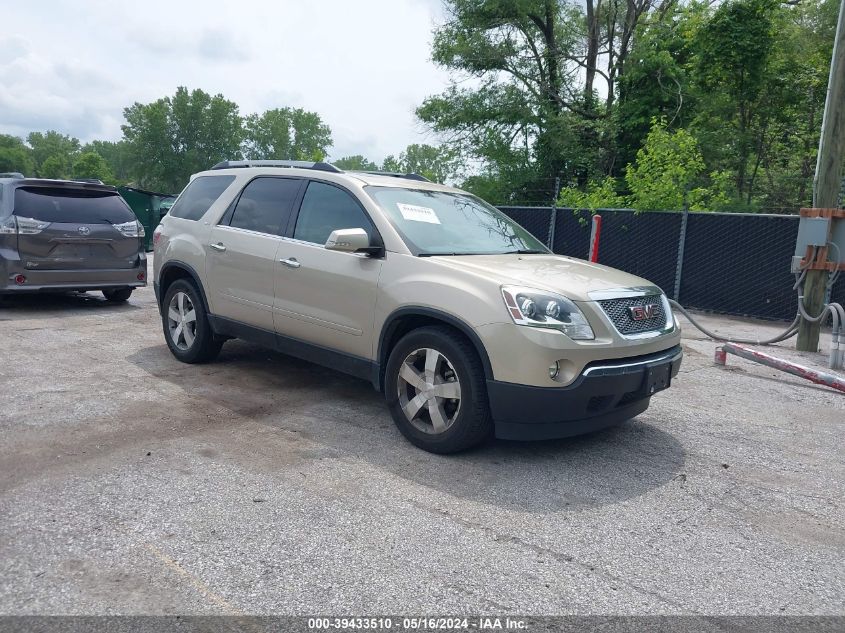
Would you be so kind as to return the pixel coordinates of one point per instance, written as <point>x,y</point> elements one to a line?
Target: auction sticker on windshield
<point>418,214</point>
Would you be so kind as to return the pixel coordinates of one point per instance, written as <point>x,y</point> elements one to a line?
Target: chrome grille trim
<point>616,310</point>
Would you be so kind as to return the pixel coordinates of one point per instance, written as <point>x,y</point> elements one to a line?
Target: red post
<point>595,234</point>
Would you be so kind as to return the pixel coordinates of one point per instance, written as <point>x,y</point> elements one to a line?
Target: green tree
<point>59,149</point>
<point>286,133</point>
<point>438,164</point>
<point>355,162</point>
<point>599,194</point>
<point>15,156</point>
<point>55,166</point>
<point>92,165</point>
<point>117,157</point>
<point>532,112</point>
<point>733,52</point>
<point>174,137</point>
<point>670,174</point>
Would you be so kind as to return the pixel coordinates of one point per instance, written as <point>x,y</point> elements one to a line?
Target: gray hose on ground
<point>791,331</point>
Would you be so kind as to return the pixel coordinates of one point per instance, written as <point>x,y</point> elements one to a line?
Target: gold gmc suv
<point>467,323</point>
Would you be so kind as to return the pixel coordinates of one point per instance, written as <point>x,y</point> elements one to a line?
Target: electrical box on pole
<point>822,259</point>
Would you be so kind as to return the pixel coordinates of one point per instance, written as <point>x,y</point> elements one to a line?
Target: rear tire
<point>117,296</point>
<point>435,388</point>
<point>185,322</point>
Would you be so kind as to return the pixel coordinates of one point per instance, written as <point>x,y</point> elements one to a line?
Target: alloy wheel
<point>429,390</point>
<point>182,321</point>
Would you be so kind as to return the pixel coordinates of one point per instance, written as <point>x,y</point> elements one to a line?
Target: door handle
<point>290,262</point>
<point>218,247</point>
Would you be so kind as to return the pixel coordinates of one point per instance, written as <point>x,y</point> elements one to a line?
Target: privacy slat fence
<point>733,263</point>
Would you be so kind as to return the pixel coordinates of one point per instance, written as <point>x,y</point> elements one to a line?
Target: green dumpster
<point>149,207</point>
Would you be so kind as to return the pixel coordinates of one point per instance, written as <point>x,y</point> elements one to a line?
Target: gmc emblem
<point>641,313</point>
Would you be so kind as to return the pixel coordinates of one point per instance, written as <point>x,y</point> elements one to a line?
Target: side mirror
<point>348,241</point>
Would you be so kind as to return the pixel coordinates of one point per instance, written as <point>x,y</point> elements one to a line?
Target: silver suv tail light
<point>132,228</point>
<point>22,226</point>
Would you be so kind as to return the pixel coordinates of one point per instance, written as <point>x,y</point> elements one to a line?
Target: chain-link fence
<point>733,263</point>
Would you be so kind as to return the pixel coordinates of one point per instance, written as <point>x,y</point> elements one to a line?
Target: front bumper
<point>606,393</point>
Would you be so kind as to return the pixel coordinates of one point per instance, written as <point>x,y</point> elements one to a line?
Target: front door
<point>326,297</point>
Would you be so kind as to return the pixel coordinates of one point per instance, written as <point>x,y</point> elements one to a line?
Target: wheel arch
<point>409,318</point>
<point>175,270</point>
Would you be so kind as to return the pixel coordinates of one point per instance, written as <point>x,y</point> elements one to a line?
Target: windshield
<point>445,223</point>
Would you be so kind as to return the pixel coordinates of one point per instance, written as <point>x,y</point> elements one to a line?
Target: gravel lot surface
<point>131,483</point>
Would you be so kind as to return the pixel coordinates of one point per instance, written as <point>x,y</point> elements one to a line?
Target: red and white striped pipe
<point>819,377</point>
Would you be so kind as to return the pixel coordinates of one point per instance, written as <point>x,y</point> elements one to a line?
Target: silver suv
<point>60,235</point>
<point>467,323</point>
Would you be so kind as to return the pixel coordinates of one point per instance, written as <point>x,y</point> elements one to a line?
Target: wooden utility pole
<point>827,180</point>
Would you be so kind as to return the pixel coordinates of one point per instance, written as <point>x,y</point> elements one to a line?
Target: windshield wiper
<point>525,251</point>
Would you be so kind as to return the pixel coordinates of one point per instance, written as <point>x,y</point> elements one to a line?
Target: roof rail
<point>394,174</point>
<point>90,181</point>
<point>301,164</point>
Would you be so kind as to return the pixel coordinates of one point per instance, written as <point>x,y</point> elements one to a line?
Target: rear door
<point>241,250</point>
<point>70,228</point>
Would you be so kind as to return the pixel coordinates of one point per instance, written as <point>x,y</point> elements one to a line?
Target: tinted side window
<point>265,205</point>
<point>61,204</point>
<point>199,195</point>
<point>326,208</point>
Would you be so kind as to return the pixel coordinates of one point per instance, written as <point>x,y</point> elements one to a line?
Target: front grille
<point>618,312</point>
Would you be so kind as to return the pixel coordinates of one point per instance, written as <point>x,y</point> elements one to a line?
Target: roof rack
<point>90,181</point>
<point>11,174</point>
<point>301,164</point>
<point>395,174</point>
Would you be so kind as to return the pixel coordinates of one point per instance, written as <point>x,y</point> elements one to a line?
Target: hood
<point>570,277</point>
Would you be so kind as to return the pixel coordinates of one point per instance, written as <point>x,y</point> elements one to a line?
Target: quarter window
<point>199,195</point>
<point>265,205</point>
<point>325,209</point>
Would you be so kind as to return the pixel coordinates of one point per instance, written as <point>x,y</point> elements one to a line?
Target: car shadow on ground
<point>61,303</point>
<point>348,419</point>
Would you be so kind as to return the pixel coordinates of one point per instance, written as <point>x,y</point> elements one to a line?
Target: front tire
<point>185,322</point>
<point>435,388</point>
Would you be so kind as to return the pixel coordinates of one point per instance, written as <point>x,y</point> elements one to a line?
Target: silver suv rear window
<point>199,195</point>
<point>61,204</point>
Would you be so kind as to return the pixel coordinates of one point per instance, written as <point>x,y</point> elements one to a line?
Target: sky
<point>362,65</point>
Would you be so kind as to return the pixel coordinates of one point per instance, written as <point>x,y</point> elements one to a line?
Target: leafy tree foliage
<point>174,137</point>
<point>546,88</point>
<point>92,165</point>
<point>15,156</point>
<point>599,194</point>
<point>286,133</point>
<point>355,163</point>
<point>117,157</point>
<point>55,166</point>
<point>669,173</point>
<point>528,116</point>
<point>438,164</point>
<point>53,153</point>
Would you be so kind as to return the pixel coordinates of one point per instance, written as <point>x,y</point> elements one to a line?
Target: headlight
<point>538,308</point>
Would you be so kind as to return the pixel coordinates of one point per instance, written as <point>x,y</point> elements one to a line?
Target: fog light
<point>554,370</point>
<point>20,280</point>
<point>141,276</point>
